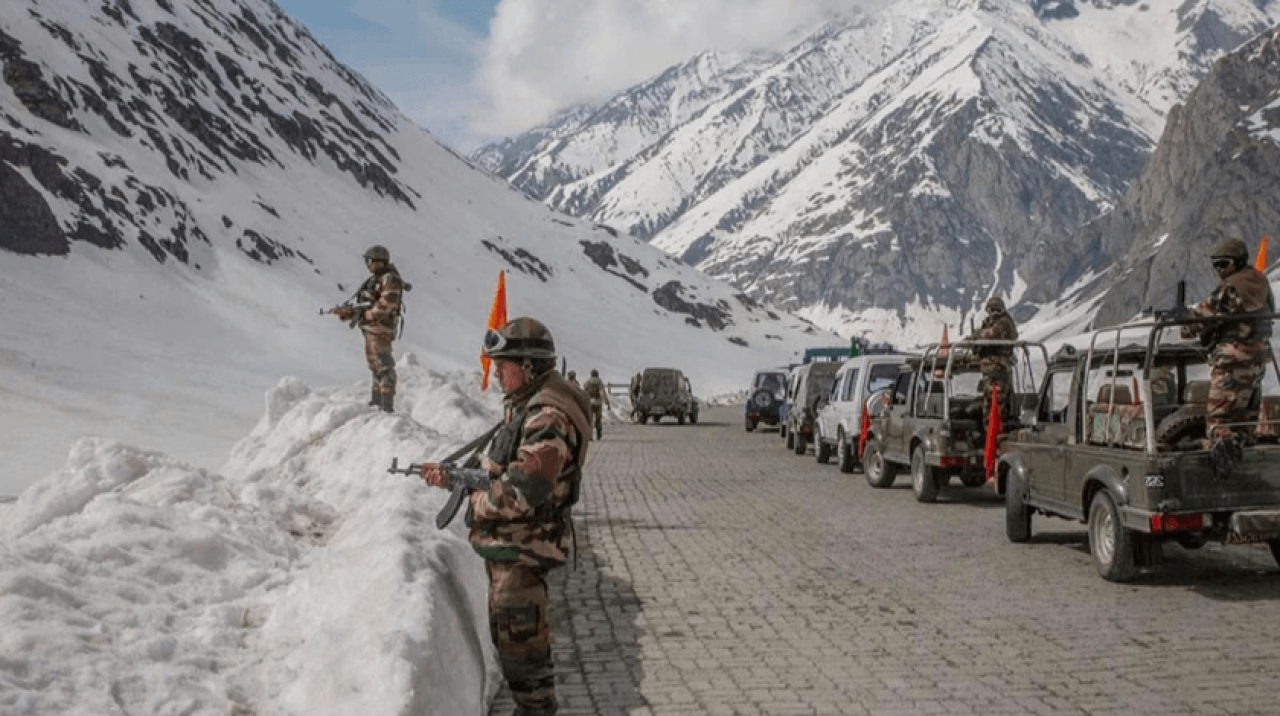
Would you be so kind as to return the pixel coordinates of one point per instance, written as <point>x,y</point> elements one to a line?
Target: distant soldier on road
<point>996,362</point>
<point>573,380</point>
<point>598,394</point>
<point>379,301</point>
<point>522,525</point>
<point>1239,350</point>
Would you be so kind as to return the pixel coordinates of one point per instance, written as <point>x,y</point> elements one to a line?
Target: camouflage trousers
<point>597,418</point>
<point>998,375</point>
<point>520,624</point>
<point>377,351</point>
<point>1235,392</point>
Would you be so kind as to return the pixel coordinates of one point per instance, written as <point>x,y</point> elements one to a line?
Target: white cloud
<point>544,55</point>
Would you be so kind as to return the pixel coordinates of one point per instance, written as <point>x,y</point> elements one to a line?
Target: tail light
<point>1162,523</point>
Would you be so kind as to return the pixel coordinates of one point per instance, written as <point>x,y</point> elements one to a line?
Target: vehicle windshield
<point>770,381</point>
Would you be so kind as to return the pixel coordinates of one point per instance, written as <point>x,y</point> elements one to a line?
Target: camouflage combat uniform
<point>996,362</point>
<point>383,292</point>
<point>1239,350</point>
<point>599,397</point>
<point>522,528</point>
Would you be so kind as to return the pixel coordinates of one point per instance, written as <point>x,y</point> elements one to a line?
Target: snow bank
<point>300,579</point>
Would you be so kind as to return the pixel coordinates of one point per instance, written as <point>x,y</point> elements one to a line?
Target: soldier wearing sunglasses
<point>522,525</point>
<point>1239,349</point>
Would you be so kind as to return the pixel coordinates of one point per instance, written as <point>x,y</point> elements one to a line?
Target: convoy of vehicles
<point>1111,435</point>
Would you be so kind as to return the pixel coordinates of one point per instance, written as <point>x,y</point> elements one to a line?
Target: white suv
<point>839,421</point>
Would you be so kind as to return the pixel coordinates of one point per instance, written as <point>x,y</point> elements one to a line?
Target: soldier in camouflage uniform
<point>598,394</point>
<point>1239,350</point>
<point>996,362</point>
<point>573,380</point>
<point>381,292</point>
<point>521,525</point>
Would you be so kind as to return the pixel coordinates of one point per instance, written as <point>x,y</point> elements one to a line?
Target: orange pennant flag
<point>993,429</point>
<point>1260,263</point>
<point>497,318</point>
<point>944,349</point>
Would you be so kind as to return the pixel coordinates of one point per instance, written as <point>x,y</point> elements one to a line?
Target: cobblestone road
<point>721,574</point>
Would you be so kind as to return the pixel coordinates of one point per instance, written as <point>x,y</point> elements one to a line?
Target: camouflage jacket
<point>595,390</point>
<point>1244,293</point>
<point>383,291</point>
<point>524,515</point>
<point>995,327</point>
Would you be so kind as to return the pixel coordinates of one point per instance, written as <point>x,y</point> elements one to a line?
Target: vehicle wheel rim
<point>841,450</point>
<point>873,464</point>
<point>917,474</point>
<point>1104,539</point>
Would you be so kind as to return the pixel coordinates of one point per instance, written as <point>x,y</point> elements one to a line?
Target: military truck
<point>664,392</point>
<point>1118,442</point>
<point>932,420</point>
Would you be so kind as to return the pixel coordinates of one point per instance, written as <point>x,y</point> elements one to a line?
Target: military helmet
<point>1230,249</point>
<point>377,252</point>
<point>995,304</point>
<point>572,375</point>
<point>595,373</point>
<point>520,338</point>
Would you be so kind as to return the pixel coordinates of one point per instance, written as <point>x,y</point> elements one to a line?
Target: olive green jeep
<point>664,392</point>
<point>1117,441</point>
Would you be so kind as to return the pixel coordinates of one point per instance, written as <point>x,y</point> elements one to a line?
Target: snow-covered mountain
<point>891,171</point>
<point>188,182</point>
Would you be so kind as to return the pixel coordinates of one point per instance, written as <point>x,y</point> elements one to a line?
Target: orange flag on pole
<point>864,429</point>
<point>993,429</point>
<point>497,318</point>
<point>1260,263</point>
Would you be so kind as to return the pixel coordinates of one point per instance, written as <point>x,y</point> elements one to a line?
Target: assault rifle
<point>465,477</point>
<point>1178,312</point>
<point>357,310</point>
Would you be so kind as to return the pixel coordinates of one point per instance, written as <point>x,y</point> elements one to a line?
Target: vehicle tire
<point>693,418</point>
<point>1017,516</point>
<point>782,432</point>
<point>680,419</point>
<point>801,443</point>
<point>924,482</point>
<point>644,419</point>
<point>845,453</point>
<point>879,471</point>
<point>750,425</point>
<point>1275,549</point>
<point>1110,542</point>
<point>1186,423</point>
<point>791,438</point>
<point>821,450</point>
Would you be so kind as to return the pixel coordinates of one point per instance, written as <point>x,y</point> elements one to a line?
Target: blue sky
<point>474,71</point>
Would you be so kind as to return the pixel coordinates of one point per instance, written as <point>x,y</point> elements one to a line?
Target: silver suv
<point>839,423</point>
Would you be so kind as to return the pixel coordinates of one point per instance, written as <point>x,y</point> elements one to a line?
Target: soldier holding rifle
<point>521,523</point>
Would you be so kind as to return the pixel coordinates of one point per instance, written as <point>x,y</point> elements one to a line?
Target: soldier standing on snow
<point>522,525</point>
<point>996,362</point>
<point>381,293</point>
<point>1239,350</point>
<point>599,397</point>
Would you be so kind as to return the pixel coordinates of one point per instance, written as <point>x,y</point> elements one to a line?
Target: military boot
<point>375,398</point>
<point>388,402</point>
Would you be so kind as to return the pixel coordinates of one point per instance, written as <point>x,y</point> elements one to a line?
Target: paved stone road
<point>721,574</point>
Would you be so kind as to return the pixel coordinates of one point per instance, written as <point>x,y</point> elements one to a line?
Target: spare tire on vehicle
<point>1185,423</point>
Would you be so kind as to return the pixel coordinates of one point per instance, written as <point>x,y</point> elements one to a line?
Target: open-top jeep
<point>1117,441</point>
<point>933,420</point>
